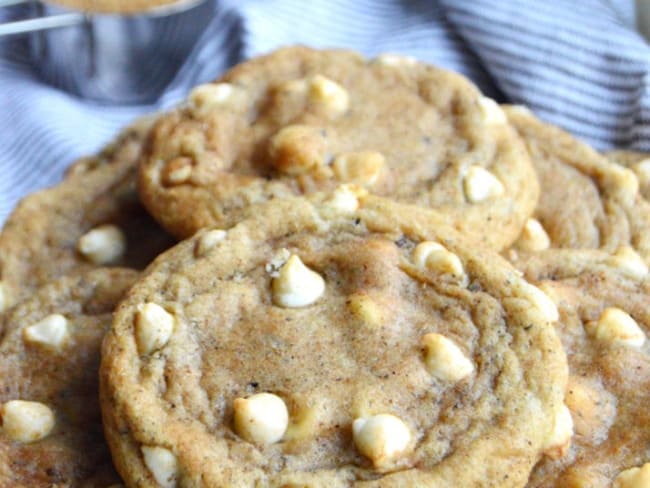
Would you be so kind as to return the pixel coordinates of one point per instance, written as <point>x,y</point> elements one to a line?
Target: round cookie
<point>50,429</point>
<point>639,162</point>
<point>319,345</point>
<point>92,218</point>
<point>117,6</point>
<point>301,120</point>
<point>585,200</point>
<point>604,323</point>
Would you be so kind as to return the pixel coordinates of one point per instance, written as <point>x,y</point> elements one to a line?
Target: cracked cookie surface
<point>301,120</point>
<point>324,344</point>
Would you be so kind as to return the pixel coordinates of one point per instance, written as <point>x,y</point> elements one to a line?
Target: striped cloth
<point>578,64</point>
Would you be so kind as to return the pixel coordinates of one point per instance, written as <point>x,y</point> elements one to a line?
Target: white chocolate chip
<point>208,240</point>
<point>381,438</point>
<point>422,252</point>
<point>153,327</point>
<point>177,171</point>
<point>629,262</point>
<point>345,198</point>
<point>162,464</point>
<point>262,418</point>
<point>539,300</point>
<point>633,478</point>
<point>4,302</point>
<point>479,185</point>
<point>642,170</point>
<point>205,98</point>
<point>533,237</point>
<point>434,256</point>
<point>363,167</point>
<point>542,301</point>
<point>105,244</point>
<point>444,359</point>
<point>491,112</point>
<point>521,110</point>
<point>25,421</point>
<point>616,327</point>
<point>52,331</point>
<point>624,183</point>
<point>395,60</point>
<point>328,93</point>
<point>559,441</point>
<point>296,285</point>
<point>296,149</point>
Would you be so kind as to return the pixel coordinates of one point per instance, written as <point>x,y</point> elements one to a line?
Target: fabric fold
<point>575,64</point>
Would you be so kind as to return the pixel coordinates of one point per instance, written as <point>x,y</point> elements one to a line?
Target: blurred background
<point>66,91</point>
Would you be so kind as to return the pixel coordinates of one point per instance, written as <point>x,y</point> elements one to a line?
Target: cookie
<point>639,162</point>
<point>117,6</point>
<point>585,200</point>
<point>301,120</point>
<point>604,323</point>
<point>93,218</point>
<point>126,146</point>
<point>318,344</point>
<point>51,432</point>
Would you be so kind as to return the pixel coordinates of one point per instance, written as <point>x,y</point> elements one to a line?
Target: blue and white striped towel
<point>578,64</point>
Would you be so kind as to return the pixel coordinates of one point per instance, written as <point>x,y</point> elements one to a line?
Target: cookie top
<point>116,6</point>
<point>51,432</point>
<point>585,200</point>
<point>92,218</point>
<point>301,120</point>
<point>639,162</point>
<point>316,344</point>
<point>604,324</point>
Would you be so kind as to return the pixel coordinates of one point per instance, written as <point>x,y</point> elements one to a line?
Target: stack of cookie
<point>383,279</point>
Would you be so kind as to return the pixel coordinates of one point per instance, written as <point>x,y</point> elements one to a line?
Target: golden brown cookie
<point>50,429</point>
<point>93,218</point>
<point>639,162</point>
<point>301,120</point>
<point>585,200</point>
<point>604,324</point>
<point>321,344</point>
